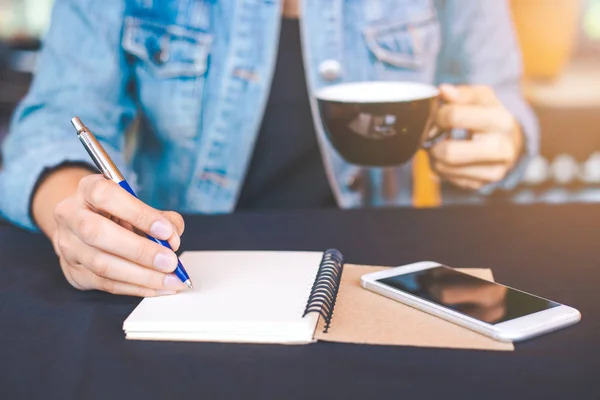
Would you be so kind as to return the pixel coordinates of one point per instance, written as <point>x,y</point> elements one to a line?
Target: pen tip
<point>79,126</point>
<point>188,283</point>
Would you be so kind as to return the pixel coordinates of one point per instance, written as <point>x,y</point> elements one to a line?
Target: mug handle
<point>442,135</point>
<point>435,139</point>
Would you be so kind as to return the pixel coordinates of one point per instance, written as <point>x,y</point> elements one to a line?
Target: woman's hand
<point>98,239</point>
<point>497,140</point>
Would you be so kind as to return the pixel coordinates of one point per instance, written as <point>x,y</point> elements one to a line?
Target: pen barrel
<point>179,271</point>
<point>99,155</point>
<point>126,186</point>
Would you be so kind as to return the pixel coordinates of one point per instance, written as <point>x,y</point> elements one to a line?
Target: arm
<point>92,222</point>
<point>81,71</point>
<point>480,48</point>
<point>56,187</point>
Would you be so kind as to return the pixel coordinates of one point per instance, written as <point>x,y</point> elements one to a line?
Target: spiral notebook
<point>290,298</point>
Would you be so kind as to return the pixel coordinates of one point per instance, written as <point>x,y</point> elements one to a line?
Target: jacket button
<point>330,70</point>
<point>160,57</point>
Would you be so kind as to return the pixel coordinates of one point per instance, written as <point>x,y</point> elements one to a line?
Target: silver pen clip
<point>97,152</point>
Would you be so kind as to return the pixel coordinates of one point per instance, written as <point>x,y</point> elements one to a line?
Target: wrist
<point>51,190</point>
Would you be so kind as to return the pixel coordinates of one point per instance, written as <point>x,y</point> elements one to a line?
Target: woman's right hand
<point>98,239</point>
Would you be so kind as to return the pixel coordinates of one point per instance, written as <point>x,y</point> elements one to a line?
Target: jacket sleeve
<point>81,71</point>
<point>479,46</point>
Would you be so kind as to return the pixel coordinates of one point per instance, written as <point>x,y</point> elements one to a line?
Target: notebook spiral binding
<point>324,291</point>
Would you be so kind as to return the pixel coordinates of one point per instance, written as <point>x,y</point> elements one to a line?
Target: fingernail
<point>176,242</point>
<point>449,90</point>
<point>172,282</point>
<point>165,261</point>
<point>161,230</point>
<point>175,231</point>
<point>165,292</point>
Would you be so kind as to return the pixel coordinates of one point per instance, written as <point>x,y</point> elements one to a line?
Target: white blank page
<point>239,296</point>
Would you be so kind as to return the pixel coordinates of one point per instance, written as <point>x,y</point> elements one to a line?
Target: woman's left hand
<point>497,139</point>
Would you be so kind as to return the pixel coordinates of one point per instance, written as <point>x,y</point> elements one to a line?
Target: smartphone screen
<point>486,301</point>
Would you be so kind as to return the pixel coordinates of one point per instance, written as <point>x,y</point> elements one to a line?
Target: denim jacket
<point>191,78</point>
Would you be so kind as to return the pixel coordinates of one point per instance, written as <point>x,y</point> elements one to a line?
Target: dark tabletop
<point>56,342</point>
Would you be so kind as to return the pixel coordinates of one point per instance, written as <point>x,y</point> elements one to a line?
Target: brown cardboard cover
<point>364,317</point>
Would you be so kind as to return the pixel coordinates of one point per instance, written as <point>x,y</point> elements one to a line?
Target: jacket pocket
<point>409,42</point>
<point>166,51</point>
<point>169,65</point>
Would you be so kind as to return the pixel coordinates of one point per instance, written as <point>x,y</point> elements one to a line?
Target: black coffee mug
<point>379,124</point>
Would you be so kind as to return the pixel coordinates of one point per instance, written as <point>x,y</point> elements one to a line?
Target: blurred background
<point>560,41</point>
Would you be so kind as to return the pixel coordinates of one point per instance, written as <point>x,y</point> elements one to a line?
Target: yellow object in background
<point>426,184</point>
<point>547,32</point>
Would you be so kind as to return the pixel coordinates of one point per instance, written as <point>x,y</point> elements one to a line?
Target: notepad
<point>291,298</point>
<point>244,296</point>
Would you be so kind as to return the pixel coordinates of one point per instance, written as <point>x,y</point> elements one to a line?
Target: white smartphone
<point>495,310</point>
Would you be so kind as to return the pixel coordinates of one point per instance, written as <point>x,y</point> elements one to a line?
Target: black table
<point>57,342</point>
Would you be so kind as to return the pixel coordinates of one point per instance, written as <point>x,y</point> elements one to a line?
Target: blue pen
<point>110,171</point>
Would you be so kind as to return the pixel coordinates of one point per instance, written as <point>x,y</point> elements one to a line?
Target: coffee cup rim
<point>347,92</point>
